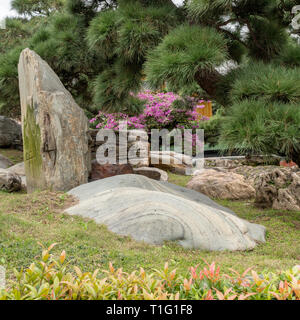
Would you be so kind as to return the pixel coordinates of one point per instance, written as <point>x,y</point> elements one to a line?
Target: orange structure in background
<point>287,164</point>
<point>206,111</point>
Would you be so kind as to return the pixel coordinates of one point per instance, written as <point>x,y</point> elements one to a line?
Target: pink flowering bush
<point>159,113</point>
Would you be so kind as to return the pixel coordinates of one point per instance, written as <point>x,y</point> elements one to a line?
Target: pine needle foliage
<point>184,52</point>
<point>254,126</point>
<point>123,38</point>
<point>104,50</point>
<point>272,83</point>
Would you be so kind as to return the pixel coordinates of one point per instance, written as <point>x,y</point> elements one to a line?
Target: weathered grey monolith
<point>55,129</point>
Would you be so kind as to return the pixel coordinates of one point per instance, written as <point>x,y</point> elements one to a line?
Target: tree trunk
<point>208,80</point>
<point>157,2</point>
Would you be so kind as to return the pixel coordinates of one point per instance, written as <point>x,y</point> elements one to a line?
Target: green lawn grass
<point>180,180</point>
<point>26,220</point>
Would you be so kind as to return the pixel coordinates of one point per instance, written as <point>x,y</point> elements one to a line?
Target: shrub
<point>260,127</point>
<point>290,55</point>
<point>49,279</point>
<point>9,97</point>
<point>269,82</point>
<point>183,54</point>
<point>212,127</point>
<point>159,113</point>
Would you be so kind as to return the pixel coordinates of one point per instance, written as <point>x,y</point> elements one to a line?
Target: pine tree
<point>56,30</point>
<point>123,38</point>
<point>36,7</point>
<point>104,50</point>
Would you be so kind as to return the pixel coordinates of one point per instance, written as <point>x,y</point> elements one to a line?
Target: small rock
<point>152,173</point>
<point>19,169</point>
<point>100,171</point>
<point>9,181</point>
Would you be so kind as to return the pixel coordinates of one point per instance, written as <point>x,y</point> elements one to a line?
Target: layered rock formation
<point>155,212</point>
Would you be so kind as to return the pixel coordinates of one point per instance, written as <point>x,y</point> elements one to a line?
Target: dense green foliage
<point>212,127</point>
<point>186,53</point>
<point>106,51</point>
<point>122,38</point>
<point>37,7</point>
<point>17,32</point>
<point>265,116</point>
<point>257,126</point>
<point>268,82</point>
<point>56,30</point>
<point>102,50</point>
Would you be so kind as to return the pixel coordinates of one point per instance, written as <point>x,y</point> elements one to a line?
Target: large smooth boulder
<point>55,129</point>
<point>10,133</point>
<point>4,162</point>
<point>9,181</point>
<point>154,212</point>
<point>222,185</point>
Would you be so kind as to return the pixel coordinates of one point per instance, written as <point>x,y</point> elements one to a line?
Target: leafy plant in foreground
<point>49,279</point>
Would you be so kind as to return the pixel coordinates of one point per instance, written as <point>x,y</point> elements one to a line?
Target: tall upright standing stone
<point>55,129</point>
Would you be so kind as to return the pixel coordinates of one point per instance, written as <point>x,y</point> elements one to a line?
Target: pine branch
<point>226,22</point>
<point>232,36</point>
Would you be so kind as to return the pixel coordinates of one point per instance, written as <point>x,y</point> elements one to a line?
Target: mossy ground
<point>26,220</point>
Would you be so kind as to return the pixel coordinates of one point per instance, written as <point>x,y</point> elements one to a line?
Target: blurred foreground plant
<point>49,279</point>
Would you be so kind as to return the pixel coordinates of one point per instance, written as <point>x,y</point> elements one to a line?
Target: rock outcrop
<point>222,185</point>
<point>271,186</point>
<point>135,150</point>
<point>278,189</point>
<point>155,212</point>
<point>234,162</point>
<point>55,129</point>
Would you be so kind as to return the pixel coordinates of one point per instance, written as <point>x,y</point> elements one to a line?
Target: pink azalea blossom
<point>158,113</point>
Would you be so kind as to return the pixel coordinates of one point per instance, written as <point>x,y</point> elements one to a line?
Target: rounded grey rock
<point>154,212</point>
